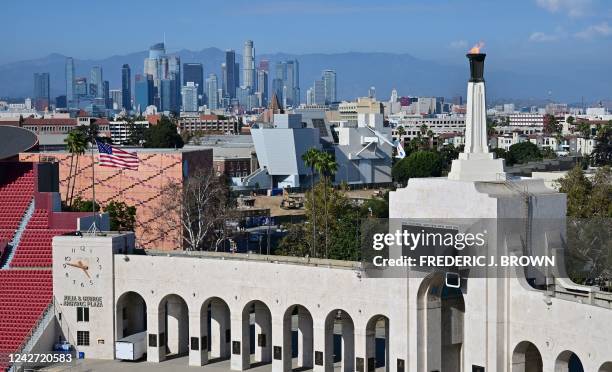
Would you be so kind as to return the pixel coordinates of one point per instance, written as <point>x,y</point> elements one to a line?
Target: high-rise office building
<point>126,88</point>
<point>106,94</point>
<point>230,73</point>
<point>189,94</point>
<point>277,88</point>
<point>211,91</point>
<point>224,80</point>
<point>289,73</point>
<point>116,98</point>
<point>262,87</point>
<point>81,89</point>
<point>42,94</point>
<point>329,80</point>
<point>96,82</point>
<point>156,65</point>
<point>167,95</point>
<point>310,96</point>
<point>372,92</point>
<point>194,73</point>
<point>318,92</point>
<point>69,81</point>
<point>60,102</point>
<point>248,66</point>
<point>293,83</point>
<point>174,73</point>
<point>143,87</point>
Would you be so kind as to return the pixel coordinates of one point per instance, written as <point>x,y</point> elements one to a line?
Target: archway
<point>130,315</point>
<point>526,358</point>
<point>215,329</point>
<point>606,367</point>
<point>297,338</point>
<point>174,325</point>
<point>256,334</point>
<point>377,343</point>
<point>339,341</point>
<point>568,361</point>
<point>440,311</point>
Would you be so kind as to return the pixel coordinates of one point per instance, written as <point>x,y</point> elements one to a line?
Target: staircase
<point>18,233</point>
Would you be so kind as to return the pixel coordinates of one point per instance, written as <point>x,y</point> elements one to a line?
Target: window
<point>82,314</point>
<point>82,338</point>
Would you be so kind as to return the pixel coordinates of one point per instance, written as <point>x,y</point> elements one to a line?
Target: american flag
<point>117,158</point>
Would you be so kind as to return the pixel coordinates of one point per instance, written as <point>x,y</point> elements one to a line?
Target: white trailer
<point>131,347</point>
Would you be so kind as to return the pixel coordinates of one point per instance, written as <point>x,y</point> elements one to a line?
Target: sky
<point>519,32</point>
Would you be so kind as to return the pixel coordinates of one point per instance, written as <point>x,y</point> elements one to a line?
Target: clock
<point>82,268</point>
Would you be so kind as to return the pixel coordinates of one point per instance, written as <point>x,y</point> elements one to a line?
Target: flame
<point>476,48</point>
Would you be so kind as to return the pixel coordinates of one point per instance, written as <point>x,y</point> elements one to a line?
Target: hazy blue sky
<point>547,31</point>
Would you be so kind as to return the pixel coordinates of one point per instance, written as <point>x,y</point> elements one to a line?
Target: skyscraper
<point>248,66</point>
<point>126,88</point>
<point>318,92</point>
<point>42,96</point>
<point>329,80</point>
<point>143,87</point>
<point>230,73</point>
<point>70,80</point>
<point>194,73</point>
<point>211,91</point>
<point>96,82</point>
<point>292,84</point>
<point>262,86</point>
<point>189,95</point>
<point>174,73</point>
<point>167,95</point>
<point>106,94</point>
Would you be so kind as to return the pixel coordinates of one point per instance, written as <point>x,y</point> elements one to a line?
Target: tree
<point>76,143</point>
<point>326,166</point>
<point>548,153</point>
<point>589,204</point>
<point>448,153</point>
<point>401,132</point>
<point>163,135</point>
<point>419,164</point>
<point>310,158</point>
<point>602,154</point>
<point>551,125</point>
<point>588,198</point>
<point>344,227</point>
<point>122,216</point>
<point>523,152</point>
<point>198,207</point>
<point>136,133</point>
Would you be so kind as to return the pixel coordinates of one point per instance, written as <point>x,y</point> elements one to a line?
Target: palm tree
<point>76,143</point>
<point>310,158</point>
<point>326,166</point>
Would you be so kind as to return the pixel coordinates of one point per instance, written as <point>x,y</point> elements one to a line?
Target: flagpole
<point>93,229</point>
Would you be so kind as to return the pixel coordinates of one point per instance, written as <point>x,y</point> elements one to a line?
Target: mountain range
<point>356,72</point>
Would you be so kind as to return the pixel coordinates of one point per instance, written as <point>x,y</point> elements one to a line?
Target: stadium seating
<point>24,296</point>
<point>15,196</point>
<point>34,249</point>
<point>26,288</point>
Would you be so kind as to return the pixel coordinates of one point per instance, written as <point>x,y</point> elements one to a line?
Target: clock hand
<point>86,272</point>
<point>79,264</point>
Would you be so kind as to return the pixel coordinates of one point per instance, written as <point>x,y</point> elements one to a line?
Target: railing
<point>17,237</point>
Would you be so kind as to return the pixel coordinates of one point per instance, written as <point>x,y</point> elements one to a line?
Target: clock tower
<point>83,289</point>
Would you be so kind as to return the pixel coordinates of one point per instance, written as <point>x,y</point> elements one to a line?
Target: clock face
<point>82,268</point>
